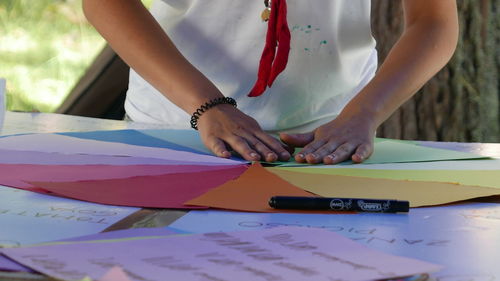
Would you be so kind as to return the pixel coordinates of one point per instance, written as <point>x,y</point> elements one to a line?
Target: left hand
<point>343,138</point>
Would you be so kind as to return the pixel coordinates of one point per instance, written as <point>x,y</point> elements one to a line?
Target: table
<point>20,123</point>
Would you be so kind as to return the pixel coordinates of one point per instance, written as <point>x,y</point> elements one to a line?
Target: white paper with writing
<point>28,217</point>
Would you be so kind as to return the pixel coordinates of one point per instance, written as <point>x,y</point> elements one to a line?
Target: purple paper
<point>54,143</point>
<point>47,158</point>
<point>288,253</point>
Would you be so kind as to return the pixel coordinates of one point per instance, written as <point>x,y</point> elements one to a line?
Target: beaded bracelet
<point>196,115</point>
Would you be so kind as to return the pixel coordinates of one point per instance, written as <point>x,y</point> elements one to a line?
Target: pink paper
<point>156,191</point>
<point>19,175</point>
<point>116,273</point>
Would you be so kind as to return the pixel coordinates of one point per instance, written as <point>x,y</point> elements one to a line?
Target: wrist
<point>207,106</point>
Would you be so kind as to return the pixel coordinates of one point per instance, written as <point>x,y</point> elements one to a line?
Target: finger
<point>241,146</point>
<point>297,140</point>
<point>218,147</point>
<point>307,153</point>
<point>319,155</point>
<point>275,145</point>
<point>340,154</point>
<point>362,153</point>
<point>265,152</point>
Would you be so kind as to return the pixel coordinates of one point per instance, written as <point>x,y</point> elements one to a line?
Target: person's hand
<point>336,141</point>
<point>224,127</point>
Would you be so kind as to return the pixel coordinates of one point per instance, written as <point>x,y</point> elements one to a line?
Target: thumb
<point>297,140</point>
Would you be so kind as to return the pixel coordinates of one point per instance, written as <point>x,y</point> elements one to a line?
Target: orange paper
<point>250,192</point>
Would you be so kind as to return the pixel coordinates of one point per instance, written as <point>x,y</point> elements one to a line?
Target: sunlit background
<point>45,47</point>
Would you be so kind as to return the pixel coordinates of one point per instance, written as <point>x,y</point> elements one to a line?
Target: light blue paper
<point>133,137</point>
<point>463,238</point>
<point>28,217</point>
<point>188,138</point>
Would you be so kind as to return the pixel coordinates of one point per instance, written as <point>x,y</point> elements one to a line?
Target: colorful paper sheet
<point>54,143</point>
<point>288,253</point>
<point>490,178</point>
<point>250,192</point>
<point>27,217</point>
<point>19,175</point>
<point>419,193</point>
<point>453,235</point>
<point>156,191</point>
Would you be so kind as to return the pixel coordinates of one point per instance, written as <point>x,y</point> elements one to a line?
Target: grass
<point>45,47</point>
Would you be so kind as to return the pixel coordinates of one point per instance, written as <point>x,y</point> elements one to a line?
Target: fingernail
<point>300,155</point>
<point>271,156</point>
<point>313,155</point>
<point>285,154</point>
<point>254,155</point>
<point>331,157</point>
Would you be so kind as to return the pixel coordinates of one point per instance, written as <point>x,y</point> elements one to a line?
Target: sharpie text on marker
<point>339,204</point>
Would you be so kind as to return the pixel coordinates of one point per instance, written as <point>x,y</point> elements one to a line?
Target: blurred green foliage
<point>45,46</point>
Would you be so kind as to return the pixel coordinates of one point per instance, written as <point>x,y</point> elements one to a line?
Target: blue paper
<point>188,138</point>
<point>463,238</point>
<point>132,137</point>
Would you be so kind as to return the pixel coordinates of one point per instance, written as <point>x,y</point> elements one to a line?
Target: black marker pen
<point>339,204</point>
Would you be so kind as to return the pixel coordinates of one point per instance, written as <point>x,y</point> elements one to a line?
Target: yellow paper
<point>419,193</point>
<point>489,178</point>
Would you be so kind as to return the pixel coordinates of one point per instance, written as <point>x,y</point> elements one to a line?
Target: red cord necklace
<point>275,54</point>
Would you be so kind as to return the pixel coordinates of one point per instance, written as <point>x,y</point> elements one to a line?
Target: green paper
<point>386,150</point>
<point>399,151</point>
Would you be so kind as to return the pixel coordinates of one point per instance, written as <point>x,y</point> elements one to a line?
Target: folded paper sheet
<point>288,253</point>
<point>250,192</point>
<point>489,178</point>
<point>156,191</point>
<point>419,193</point>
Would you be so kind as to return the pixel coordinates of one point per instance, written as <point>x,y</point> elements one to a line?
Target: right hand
<point>224,127</point>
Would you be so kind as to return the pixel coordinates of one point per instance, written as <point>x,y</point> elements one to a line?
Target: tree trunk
<point>461,103</point>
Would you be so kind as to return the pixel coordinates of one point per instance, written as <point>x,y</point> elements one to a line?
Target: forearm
<point>422,50</point>
<point>136,36</point>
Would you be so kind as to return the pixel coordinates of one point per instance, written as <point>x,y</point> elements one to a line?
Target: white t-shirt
<point>332,58</point>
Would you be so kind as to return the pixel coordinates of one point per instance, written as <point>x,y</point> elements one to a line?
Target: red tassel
<point>284,38</point>
<point>278,35</point>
